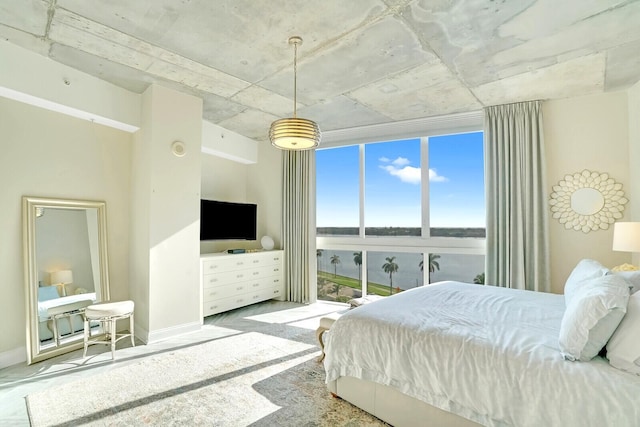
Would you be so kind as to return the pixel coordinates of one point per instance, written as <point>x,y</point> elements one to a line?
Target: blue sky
<point>392,183</point>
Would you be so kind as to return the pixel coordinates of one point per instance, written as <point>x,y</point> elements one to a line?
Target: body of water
<point>462,268</point>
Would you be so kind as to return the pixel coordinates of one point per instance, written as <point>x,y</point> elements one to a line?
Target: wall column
<point>165,217</point>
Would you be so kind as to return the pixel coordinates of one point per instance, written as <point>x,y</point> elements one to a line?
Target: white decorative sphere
<point>267,243</point>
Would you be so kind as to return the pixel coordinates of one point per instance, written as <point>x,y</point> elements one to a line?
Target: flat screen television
<point>227,220</point>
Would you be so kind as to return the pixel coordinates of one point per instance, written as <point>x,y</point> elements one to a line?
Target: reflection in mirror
<point>587,201</point>
<point>65,271</point>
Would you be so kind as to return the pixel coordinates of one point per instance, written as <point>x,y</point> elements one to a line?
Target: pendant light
<point>294,133</point>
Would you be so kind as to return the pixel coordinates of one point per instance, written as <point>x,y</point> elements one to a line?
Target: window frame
<point>413,129</point>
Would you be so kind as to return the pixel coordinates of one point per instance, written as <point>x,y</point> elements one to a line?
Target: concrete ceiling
<point>362,61</point>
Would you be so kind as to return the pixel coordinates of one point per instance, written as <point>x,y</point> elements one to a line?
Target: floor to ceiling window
<point>399,214</point>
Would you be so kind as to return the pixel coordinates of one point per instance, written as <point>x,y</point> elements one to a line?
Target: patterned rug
<point>248,379</point>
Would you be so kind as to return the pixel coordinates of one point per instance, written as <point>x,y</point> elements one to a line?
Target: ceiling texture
<point>362,62</point>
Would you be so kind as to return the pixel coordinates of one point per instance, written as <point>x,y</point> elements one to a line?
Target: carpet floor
<point>245,379</point>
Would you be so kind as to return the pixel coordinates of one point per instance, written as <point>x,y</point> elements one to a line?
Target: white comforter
<point>488,354</point>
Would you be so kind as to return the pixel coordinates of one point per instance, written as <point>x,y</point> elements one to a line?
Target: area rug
<point>248,379</point>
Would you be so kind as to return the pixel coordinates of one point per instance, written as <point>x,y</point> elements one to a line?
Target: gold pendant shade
<point>294,133</point>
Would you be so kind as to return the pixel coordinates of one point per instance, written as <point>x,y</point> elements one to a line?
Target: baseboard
<point>163,334</point>
<point>13,357</point>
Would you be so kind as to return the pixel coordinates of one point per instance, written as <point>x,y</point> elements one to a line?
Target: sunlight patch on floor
<point>306,316</point>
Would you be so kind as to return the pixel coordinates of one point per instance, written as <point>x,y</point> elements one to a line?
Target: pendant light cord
<point>295,79</point>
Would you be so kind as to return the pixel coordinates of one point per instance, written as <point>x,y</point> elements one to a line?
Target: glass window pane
<point>392,188</point>
<point>337,191</point>
<point>339,275</point>
<point>458,267</point>
<point>390,273</point>
<point>456,185</point>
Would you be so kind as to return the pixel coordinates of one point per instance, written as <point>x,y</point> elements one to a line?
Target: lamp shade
<point>294,134</point>
<point>626,236</point>
<point>62,276</point>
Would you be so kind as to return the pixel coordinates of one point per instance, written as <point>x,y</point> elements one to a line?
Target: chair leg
<point>133,343</point>
<point>87,335</point>
<point>112,324</point>
<point>319,333</point>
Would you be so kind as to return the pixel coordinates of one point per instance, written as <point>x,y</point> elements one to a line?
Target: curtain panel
<point>517,242</point>
<point>298,172</point>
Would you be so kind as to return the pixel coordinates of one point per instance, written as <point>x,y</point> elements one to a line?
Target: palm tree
<point>433,264</point>
<point>357,259</point>
<point>479,279</point>
<point>390,267</point>
<point>335,260</point>
<point>318,256</point>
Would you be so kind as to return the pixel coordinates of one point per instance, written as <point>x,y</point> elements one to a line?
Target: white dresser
<point>234,280</point>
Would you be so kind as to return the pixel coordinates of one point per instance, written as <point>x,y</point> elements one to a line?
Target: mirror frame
<point>29,207</point>
<point>572,217</point>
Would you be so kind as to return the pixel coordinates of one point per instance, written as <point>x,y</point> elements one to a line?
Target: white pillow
<point>585,269</point>
<point>623,349</point>
<point>593,314</point>
<point>632,277</point>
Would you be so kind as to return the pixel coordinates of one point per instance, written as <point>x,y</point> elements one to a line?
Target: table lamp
<point>626,237</point>
<point>61,279</point>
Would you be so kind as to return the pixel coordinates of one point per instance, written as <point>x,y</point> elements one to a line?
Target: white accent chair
<point>108,313</point>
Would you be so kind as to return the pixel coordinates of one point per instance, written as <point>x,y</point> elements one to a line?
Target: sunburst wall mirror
<point>587,201</point>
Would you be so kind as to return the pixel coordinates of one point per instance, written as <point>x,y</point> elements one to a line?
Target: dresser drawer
<point>223,304</point>
<point>227,277</point>
<point>266,294</point>
<point>222,263</point>
<point>226,291</point>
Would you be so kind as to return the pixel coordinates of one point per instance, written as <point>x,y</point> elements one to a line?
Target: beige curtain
<point>299,170</point>
<point>517,242</point>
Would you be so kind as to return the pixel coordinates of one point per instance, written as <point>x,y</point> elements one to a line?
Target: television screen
<point>227,220</point>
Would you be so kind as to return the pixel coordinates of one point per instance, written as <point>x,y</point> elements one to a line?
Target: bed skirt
<point>392,406</point>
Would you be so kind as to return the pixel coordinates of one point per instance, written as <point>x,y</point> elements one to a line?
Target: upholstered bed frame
<point>394,407</point>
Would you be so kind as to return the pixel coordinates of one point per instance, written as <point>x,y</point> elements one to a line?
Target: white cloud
<point>407,174</point>
<point>401,161</point>
<point>434,177</point>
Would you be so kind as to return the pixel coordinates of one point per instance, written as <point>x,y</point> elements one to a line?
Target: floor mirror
<point>66,270</point>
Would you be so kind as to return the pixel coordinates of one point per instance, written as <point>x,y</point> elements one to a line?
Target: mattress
<point>488,354</point>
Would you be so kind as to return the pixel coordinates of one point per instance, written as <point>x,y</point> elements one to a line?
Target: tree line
<point>390,267</point>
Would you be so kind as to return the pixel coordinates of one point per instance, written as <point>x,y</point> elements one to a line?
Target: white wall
<point>48,154</point>
<point>634,158</point>
<point>590,132</point>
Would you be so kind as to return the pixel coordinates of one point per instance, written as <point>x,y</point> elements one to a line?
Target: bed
<point>59,316</point>
<point>457,354</point>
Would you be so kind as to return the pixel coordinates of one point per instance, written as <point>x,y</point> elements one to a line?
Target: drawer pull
<point>276,280</point>
<point>255,285</point>
<point>239,288</point>
<point>239,301</point>
<point>277,291</point>
<point>240,276</point>
<point>256,261</point>
<point>256,273</point>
